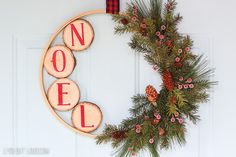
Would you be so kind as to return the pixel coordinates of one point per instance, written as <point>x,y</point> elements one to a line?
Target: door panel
<point>109,73</point>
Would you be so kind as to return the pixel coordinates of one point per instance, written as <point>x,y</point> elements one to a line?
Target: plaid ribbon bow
<point>113,6</point>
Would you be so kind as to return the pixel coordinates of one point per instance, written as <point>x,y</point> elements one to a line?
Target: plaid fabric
<point>113,6</point>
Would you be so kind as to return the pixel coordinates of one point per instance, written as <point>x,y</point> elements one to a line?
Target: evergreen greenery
<point>154,34</point>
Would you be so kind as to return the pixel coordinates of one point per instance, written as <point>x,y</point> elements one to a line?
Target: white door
<point>111,74</point>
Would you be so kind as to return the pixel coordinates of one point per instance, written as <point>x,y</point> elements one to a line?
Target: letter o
<point>59,61</point>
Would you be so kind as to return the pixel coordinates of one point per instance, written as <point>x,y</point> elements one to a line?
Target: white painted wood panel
<point>7,133</point>
<point>34,123</point>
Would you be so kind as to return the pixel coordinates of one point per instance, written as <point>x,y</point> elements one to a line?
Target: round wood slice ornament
<point>59,61</point>
<point>86,117</point>
<point>63,94</point>
<point>78,35</point>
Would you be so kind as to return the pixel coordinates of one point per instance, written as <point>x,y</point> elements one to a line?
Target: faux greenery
<point>158,119</point>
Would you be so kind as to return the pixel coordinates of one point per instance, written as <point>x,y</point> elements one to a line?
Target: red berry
<point>172,119</point>
<point>146,117</point>
<point>151,140</point>
<point>189,80</point>
<point>155,121</point>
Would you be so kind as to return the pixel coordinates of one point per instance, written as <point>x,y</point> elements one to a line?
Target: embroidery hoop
<point>41,76</point>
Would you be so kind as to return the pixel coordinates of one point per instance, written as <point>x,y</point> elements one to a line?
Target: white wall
<point>25,121</point>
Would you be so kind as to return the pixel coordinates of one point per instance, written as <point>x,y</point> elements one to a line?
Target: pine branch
<point>161,52</point>
<point>142,44</point>
<point>120,29</point>
<point>122,151</point>
<point>105,137</point>
<point>141,105</point>
<point>153,150</point>
<point>190,112</point>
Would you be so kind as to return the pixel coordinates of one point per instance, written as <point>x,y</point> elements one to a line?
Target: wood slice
<point>78,35</point>
<point>63,95</point>
<point>86,117</point>
<point>59,61</point>
<point>42,67</point>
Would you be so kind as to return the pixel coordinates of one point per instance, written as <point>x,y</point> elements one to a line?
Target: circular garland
<point>159,118</point>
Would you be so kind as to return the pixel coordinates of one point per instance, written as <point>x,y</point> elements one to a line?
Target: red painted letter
<point>54,60</point>
<point>74,30</point>
<point>60,94</point>
<point>83,118</point>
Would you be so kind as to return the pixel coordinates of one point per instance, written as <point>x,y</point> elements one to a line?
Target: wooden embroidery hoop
<point>42,67</point>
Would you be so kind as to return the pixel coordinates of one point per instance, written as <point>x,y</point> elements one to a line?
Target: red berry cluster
<point>185,83</point>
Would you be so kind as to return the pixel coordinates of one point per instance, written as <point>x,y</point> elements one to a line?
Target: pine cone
<point>124,21</point>
<point>151,93</point>
<point>168,81</point>
<point>118,135</point>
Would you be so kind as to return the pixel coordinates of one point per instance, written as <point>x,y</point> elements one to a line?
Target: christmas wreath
<point>159,117</point>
